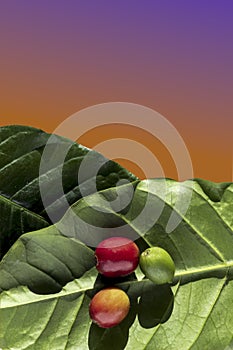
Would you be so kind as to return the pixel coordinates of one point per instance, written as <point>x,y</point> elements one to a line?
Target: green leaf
<point>23,151</point>
<point>194,313</point>
<point>45,261</point>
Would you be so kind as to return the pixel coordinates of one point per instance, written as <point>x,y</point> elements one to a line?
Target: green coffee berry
<point>157,265</point>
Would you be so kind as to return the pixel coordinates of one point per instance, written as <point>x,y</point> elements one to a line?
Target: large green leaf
<point>21,179</point>
<point>194,313</point>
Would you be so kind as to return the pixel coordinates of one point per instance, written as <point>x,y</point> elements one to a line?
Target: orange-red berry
<point>109,307</point>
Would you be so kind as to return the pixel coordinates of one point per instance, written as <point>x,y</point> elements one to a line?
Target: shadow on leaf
<point>155,305</point>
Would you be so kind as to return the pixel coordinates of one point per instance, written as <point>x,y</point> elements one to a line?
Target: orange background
<point>174,57</point>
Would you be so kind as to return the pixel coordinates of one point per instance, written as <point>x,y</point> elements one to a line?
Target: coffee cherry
<point>157,265</point>
<point>109,307</point>
<point>116,257</point>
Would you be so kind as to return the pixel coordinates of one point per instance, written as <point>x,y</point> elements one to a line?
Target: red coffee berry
<point>117,256</point>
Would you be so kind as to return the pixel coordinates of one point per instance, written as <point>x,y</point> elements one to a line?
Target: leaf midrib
<point>213,268</point>
<point>178,276</point>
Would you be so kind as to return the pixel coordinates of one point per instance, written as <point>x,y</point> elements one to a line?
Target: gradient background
<point>176,57</point>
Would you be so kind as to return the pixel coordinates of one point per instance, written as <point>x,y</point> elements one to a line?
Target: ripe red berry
<point>117,256</point>
<point>109,307</point>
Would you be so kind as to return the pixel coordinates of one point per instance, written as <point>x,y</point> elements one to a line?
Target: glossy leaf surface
<point>24,176</point>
